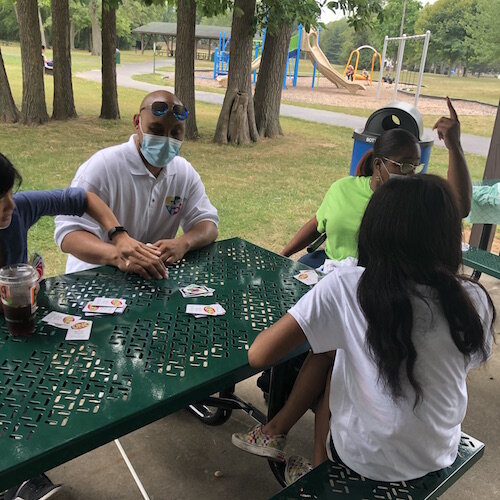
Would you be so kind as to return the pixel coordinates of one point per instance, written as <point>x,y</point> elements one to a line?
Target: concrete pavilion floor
<point>177,457</point>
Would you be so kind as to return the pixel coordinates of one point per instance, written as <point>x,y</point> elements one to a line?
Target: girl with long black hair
<point>404,329</point>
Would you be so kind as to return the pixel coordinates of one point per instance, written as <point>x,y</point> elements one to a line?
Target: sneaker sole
<point>270,453</point>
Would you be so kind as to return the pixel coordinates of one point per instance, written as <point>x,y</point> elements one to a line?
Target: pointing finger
<point>453,113</point>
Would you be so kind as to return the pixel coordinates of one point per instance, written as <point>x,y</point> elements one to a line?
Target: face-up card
<point>79,330</point>
<point>60,320</point>
<point>308,277</point>
<point>93,309</point>
<point>196,291</point>
<point>109,302</point>
<point>205,310</point>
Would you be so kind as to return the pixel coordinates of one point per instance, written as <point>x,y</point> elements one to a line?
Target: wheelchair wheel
<point>212,415</point>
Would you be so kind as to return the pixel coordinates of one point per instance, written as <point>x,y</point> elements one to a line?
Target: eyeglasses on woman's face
<point>406,167</point>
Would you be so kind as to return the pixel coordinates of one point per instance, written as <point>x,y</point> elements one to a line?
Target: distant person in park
<point>350,72</point>
<point>402,330</point>
<point>365,74</point>
<point>46,62</point>
<point>396,152</point>
<point>152,190</point>
<point>21,210</point>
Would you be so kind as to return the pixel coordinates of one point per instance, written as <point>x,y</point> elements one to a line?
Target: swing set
<point>364,75</point>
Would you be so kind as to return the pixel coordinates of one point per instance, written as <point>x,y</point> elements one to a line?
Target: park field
<point>485,89</point>
<point>264,192</point>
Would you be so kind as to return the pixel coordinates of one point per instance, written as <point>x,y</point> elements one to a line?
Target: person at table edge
<point>151,189</point>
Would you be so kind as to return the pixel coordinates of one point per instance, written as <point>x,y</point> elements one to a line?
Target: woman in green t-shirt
<point>395,152</point>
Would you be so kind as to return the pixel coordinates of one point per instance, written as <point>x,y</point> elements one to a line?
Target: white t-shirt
<point>150,208</point>
<point>374,436</point>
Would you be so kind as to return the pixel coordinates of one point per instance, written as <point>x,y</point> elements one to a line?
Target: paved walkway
<point>124,72</point>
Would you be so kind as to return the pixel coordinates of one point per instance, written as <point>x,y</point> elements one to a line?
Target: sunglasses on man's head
<point>160,108</point>
<point>406,167</point>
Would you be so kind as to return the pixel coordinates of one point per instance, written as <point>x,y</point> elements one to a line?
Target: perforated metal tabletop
<point>60,399</point>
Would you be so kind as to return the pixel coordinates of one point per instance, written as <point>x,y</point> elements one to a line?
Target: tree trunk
<point>184,62</point>
<point>96,28</point>
<point>236,122</point>
<point>64,103</point>
<point>270,82</point>
<point>72,35</point>
<point>34,109</point>
<point>109,105</point>
<point>8,110</point>
<point>42,31</point>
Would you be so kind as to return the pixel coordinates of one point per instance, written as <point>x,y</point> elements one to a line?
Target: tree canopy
<point>464,34</point>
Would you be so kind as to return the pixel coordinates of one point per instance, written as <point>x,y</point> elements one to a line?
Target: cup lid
<point>18,272</point>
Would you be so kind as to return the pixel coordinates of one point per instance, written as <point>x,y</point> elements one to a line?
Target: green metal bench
<point>333,480</point>
<point>482,261</point>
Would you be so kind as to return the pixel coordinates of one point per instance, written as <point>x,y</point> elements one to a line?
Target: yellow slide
<point>317,56</point>
<point>222,79</point>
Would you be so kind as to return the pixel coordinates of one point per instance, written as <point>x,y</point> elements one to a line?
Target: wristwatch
<point>114,230</point>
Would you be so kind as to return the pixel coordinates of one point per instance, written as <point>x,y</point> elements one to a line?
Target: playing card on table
<point>308,276</point>
<point>92,310</point>
<point>194,290</point>
<point>109,302</point>
<point>205,310</point>
<point>79,330</point>
<point>60,320</point>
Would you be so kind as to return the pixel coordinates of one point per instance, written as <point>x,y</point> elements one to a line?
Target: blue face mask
<point>159,150</point>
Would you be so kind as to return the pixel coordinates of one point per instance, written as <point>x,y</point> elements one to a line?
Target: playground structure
<point>300,42</point>
<point>326,69</point>
<point>221,58</point>
<point>401,48</point>
<point>358,76</point>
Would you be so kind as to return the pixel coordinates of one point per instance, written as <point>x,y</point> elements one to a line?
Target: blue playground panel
<point>221,56</point>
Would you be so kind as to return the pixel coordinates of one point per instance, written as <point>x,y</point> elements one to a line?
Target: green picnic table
<point>482,261</point>
<point>60,399</point>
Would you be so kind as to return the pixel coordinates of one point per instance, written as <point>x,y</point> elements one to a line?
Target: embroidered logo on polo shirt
<point>173,204</point>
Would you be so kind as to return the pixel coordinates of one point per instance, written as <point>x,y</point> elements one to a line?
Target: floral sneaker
<point>295,468</point>
<point>256,442</point>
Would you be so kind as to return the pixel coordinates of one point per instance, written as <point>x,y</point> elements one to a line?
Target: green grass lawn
<point>484,89</point>
<point>158,79</point>
<point>264,192</point>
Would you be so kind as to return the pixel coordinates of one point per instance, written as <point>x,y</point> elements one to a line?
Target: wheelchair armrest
<point>316,243</point>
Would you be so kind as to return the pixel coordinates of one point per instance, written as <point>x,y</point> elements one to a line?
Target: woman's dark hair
<point>411,234</point>
<point>9,176</point>
<point>390,143</point>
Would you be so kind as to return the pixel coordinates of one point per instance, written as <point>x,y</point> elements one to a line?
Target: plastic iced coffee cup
<point>18,295</point>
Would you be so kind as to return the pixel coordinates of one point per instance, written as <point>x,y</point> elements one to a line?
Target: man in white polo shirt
<point>151,190</point>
